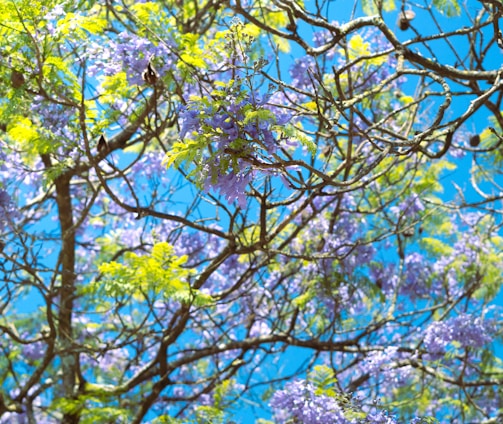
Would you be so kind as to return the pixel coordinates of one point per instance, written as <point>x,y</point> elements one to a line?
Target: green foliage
<point>209,414</point>
<point>302,300</point>
<point>428,178</point>
<point>95,415</point>
<point>436,247</point>
<point>146,12</point>
<point>90,410</point>
<point>161,272</point>
<point>358,50</point>
<point>449,7</point>
<point>218,412</point>
<point>256,115</point>
<point>371,7</point>
<point>192,55</point>
<point>223,391</point>
<point>79,25</point>
<point>166,419</point>
<point>323,378</point>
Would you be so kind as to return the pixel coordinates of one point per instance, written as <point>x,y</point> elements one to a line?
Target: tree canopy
<point>256,211</point>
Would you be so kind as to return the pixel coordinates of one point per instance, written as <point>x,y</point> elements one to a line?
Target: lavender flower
<point>130,53</point>
<point>409,208</point>
<point>302,72</point>
<point>380,417</point>
<point>6,208</point>
<point>231,185</point>
<point>466,329</point>
<point>299,401</point>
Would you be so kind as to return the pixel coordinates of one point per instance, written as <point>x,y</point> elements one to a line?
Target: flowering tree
<point>287,208</point>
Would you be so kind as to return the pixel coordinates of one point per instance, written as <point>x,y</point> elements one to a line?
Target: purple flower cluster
<point>231,185</point>
<point>299,401</point>
<point>304,73</point>
<point>229,143</point>
<point>52,18</point>
<point>380,417</point>
<point>382,365</point>
<point>34,351</point>
<point>348,258</point>
<point>129,53</point>
<point>378,360</point>
<point>409,208</point>
<point>6,208</point>
<point>466,329</point>
<point>416,280</point>
<point>320,38</point>
<point>54,117</point>
<point>225,125</point>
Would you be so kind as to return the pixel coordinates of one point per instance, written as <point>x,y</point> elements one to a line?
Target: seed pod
<point>408,232</point>
<point>404,19</point>
<point>17,79</point>
<point>320,245</point>
<point>150,74</point>
<point>327,150</point>
<point>102,144</point>
<point>475,140</point>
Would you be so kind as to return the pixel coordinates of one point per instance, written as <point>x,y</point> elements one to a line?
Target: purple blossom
<point>320,38</point>
<point>189,121</point>
<point>54,117</point>
<point>257,99</point>
<point>381,364</point>
<point>129,53</point>
<point>228,127</point>
<point>7,210</point>
<point>231,185</point>
<point>302,72</point>
<point>410,207</point>
<point>52,17</point>
<point>380,417</point>
<point>300,402</point>
<point>466,329</point>
<point>231,139</point>
<point>33,351</point>
<point>260,328</point>
<point>377,361</point>
<point>416,278</point>
<point>278,104</point>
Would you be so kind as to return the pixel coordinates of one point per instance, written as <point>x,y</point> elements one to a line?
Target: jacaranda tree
<point>269,211</point>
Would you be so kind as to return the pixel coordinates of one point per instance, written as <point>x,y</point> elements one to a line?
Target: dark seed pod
<point>327,150</point>
<point>150,74</point>
<point>404,19</point>
<point>320,245</point>
<point>102,144</point>
<point>408,232</point>
<point>17,79</point>
<point>475,140</point>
